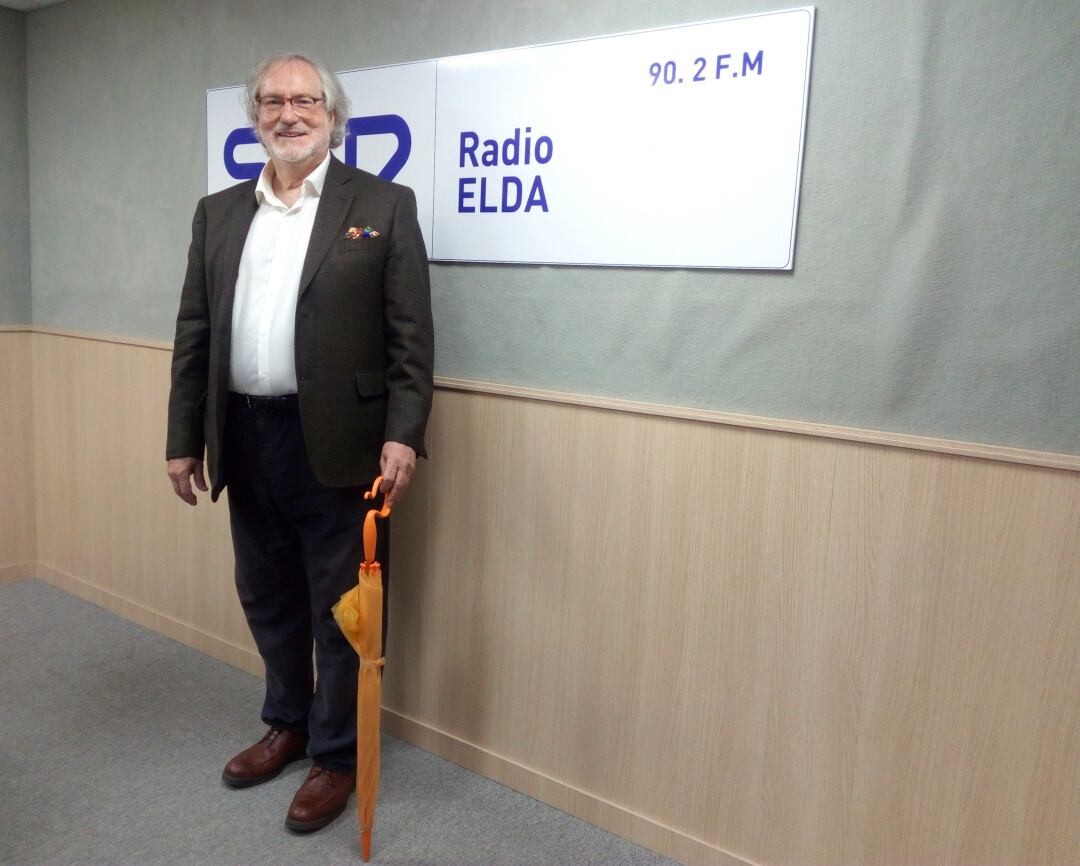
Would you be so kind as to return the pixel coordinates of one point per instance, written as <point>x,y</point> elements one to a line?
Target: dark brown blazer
<point>364,341</point>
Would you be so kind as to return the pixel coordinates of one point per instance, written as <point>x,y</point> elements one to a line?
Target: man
<point>303,366</point>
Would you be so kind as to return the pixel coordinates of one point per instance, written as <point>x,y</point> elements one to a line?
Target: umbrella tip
<point>365,845</point>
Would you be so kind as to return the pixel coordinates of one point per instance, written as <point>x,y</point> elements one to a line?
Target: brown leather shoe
<point>266,759</point>
<point>323,796</point>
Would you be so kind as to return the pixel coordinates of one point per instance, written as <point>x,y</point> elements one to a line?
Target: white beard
<point>285,150</point>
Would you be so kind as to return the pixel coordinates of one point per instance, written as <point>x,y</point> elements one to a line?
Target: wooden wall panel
<point>17,468</point>
<point>110,527</point>
<point>796,649</point>
<point>726,643</point>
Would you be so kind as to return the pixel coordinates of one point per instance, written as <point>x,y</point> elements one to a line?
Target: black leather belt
<point>253,403</point>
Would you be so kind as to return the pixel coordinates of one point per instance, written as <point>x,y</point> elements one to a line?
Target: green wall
<point>934,289</point>
<point>15,213</point>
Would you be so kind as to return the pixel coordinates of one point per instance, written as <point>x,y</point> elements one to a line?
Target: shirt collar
<point>312,185</point>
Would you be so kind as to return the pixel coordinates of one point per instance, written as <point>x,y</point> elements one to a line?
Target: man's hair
<point>336,100</point>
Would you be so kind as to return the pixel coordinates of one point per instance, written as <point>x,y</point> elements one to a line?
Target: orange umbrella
<point>359,616</point>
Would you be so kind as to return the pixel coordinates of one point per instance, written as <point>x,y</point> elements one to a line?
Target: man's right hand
<point>181,470</point>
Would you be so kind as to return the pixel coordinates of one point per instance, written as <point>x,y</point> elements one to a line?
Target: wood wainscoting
<point>725,642</point>
<point>16,444</point>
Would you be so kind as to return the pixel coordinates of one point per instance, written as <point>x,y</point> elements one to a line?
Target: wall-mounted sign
<point>679,147</point>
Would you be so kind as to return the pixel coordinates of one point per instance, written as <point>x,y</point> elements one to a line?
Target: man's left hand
<point>398,462</point>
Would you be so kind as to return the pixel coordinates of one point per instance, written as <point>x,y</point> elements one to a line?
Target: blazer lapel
<point>243,212</point>
<point>334,204</point>
<point>237,223</point>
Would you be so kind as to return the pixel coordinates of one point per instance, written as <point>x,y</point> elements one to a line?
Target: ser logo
<point>375,124</point>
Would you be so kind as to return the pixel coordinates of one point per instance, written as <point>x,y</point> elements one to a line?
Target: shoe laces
<point>319,770</point>
<point>272,735</point>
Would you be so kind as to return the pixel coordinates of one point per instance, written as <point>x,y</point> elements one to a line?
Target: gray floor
<point>112,740</point>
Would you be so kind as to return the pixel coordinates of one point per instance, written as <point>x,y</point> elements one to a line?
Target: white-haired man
<point>302,367</point>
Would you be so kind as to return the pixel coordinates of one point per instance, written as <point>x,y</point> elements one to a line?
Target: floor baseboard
<point>17,571</point>
<point>237,656</point>
<point>637,828</point>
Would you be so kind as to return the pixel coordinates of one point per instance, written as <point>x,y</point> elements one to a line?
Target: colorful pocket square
<point>366,232</point>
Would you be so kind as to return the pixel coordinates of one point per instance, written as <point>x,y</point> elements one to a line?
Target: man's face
<point>289,137</point>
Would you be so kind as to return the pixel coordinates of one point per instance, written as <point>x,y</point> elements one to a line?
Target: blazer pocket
<point>370,383</point>
<point>359,247</point>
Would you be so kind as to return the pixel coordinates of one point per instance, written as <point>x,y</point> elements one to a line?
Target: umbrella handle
<point>370,532</point>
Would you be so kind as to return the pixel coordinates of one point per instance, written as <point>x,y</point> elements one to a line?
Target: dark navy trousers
<point>298,545</point>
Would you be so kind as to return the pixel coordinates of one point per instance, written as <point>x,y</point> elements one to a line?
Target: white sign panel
<point>679,147</point>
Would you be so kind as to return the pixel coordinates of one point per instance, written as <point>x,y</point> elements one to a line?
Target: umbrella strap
<point>368,666</point>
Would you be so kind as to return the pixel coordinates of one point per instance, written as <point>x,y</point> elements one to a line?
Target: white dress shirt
<point>264,307</point>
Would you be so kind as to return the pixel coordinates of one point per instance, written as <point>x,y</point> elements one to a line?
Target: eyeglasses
<point>272,106</point>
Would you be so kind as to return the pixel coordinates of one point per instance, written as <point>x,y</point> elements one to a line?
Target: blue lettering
<point>511,145</point>
<point>722,63</point>
<point>536,196</point>
<point>756,63</point>
<point>464,195</point>
<point>241,170</point>
<point>468,149</point>
<point>380,124</point>
<point>510,200</point>
<point>543,142</point>
<point>517,149</point>
<point>511,183</point>
<point>484,206</point>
